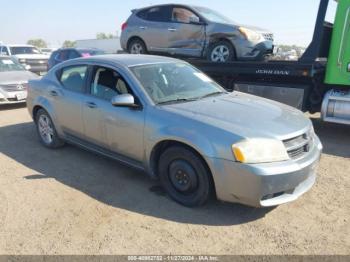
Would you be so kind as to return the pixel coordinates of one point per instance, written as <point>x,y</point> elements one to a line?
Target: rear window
<point>90,52</point>
<point>156,14</point>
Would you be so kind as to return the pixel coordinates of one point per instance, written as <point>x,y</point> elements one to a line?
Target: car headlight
<point>22,60</point>
<point>249,34</point>
<point>259,150</point>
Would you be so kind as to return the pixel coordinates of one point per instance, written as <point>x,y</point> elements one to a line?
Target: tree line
<point>41,43</point>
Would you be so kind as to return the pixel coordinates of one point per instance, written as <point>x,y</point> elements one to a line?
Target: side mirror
<point>195,20</point>
<point>126,100</point>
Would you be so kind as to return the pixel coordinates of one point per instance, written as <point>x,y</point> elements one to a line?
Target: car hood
<point>256,29</point>
<point>32,56</point>
<point>16,77</point>
<point>245,115</point>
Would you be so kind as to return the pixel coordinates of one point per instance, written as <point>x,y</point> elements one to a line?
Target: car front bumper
<point>12,97</point>
<point>255,52</point>
<point>264,185</point>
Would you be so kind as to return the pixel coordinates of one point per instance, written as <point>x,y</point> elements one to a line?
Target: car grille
<point>14,87</point>
<point>268,37</point>
<point>298,146</point>
<point>36,61</point>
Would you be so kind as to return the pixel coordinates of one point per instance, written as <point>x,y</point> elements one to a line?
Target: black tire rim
<point>183,177</point>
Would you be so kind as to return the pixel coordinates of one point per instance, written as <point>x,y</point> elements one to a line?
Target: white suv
<point>29,56</point>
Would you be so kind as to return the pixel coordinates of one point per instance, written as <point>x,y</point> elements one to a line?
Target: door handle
<point>143,27</point>
<point>172,29</point>
<point>91,105</point>
<point>53,93</point>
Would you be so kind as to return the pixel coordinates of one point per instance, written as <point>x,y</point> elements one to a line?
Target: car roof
<point>160,5</point>
<point>78,48</point>
<point>17,45</point>
<point>129,60</point>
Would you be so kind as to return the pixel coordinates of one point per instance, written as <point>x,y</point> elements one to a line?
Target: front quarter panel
<point>208,141</point>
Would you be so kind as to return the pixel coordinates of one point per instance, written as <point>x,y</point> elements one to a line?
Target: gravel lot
<point>71,201</point>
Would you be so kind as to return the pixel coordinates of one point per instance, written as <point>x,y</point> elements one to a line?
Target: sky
<point>292,21</point>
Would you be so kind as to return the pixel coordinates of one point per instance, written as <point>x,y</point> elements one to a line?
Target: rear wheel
<point>137,46</point>
<point>46,130</point>
<point>184,176</point>
<point>221,52</point>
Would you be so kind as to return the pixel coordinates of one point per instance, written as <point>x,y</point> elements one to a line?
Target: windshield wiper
<point>178,100</point>
<point>212,94</point>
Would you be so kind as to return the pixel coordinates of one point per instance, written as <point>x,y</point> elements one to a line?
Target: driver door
<point>118,129</point>
<point>186,33</point>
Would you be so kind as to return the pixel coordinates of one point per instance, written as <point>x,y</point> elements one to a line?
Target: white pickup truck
<point>29,56</point>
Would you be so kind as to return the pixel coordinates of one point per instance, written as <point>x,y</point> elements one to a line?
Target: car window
<point>182,15</point>
<point>107,83</point>
<point>62,55</point>
<point>156,14</point>
<point>165,82</point>
<point>20,50</point>
<point>73,78</point>
<point>4,51</point>
<point>73,54</point>
<point>10,64</point>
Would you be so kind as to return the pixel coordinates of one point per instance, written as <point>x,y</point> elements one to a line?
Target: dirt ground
<point>70,201</point>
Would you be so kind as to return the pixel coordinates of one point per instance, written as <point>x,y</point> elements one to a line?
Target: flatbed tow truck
<point>318,82</point>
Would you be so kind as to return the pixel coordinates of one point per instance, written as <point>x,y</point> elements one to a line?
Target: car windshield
<point>9,64</point>
<point>90,52</point>
<point>175,82</point>
<point>213,16</point>
<point>21,50</point>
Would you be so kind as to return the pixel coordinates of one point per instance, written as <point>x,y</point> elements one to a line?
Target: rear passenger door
<point>67,99</point>
<point>153,28</point>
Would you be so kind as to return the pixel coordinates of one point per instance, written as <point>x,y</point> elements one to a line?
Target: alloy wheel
<point>220,53</point>
<point>45,129</point>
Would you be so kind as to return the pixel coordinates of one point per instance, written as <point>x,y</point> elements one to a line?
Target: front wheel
<point>185,177</point>
<point>46,130</point>
<point>221,52</point>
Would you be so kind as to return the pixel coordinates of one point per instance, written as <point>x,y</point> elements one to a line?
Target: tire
<point>137,46</point>
<point>221,52</point>
<point>185,177</point>
<point>46,130</point>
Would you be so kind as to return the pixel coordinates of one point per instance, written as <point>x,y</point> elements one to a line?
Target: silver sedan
<point>13,81</point>
<point>165,117</point>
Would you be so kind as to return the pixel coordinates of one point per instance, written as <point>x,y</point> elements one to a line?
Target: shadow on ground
<point>334,137</point>
<point>12,106</point>
<point>110,182</point>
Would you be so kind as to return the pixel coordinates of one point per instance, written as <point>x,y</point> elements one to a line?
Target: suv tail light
<point>124,26</point>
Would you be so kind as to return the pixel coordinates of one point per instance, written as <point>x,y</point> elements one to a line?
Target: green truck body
<point>338,65</point>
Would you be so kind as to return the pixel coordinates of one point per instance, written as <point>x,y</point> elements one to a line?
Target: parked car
<point>65,54</point>
<point>165,117</point>
<point>28,55</point>
<point>13,81</point>
<point>195,32</point>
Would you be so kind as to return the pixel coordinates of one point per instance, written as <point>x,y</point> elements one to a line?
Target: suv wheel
<point>46,130</point>
<point>184,176</point>
<point>137,47</point>
<point>221,52</point>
